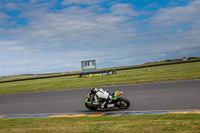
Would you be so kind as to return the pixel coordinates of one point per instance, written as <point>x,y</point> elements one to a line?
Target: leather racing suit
<point>103,95</point>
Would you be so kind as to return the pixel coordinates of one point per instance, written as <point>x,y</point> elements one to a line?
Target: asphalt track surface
<point>176,95</point>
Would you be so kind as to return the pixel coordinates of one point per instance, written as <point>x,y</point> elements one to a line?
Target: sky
<point>46,36</point>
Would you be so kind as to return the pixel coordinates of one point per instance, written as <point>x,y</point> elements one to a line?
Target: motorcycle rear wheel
<point>122,103</point>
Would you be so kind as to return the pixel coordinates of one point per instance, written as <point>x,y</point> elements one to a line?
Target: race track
<point>178,95</point>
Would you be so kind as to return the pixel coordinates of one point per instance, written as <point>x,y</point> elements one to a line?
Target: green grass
<point>168,123</point>
<point>175,72</point>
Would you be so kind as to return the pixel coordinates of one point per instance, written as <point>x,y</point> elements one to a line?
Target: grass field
<point>174,72</point>
<point>168,123</point>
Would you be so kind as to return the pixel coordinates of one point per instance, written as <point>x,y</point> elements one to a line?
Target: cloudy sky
<point>40,36</point>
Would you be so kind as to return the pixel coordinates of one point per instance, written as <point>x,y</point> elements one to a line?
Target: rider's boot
<point>111,105</point>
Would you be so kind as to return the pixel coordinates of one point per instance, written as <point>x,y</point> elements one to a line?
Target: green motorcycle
<point>119,102</point>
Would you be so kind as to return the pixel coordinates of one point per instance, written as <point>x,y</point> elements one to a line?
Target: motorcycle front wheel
<point>122,103</point>
<point>91,107</point>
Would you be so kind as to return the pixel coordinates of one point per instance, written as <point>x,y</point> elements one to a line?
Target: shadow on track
<point>103,110</point>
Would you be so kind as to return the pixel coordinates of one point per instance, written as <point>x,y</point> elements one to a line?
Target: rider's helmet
<point>94,90</point>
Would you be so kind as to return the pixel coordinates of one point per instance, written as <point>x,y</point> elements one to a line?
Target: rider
<point>101,94</point>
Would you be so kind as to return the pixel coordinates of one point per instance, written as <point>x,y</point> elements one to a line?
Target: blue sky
<point>40,36</point>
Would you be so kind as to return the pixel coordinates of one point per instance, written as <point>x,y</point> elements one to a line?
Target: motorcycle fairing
<point>117,94</point>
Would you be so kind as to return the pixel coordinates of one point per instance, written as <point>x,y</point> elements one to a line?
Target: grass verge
<point>174,72</point>
<point>168,123</point>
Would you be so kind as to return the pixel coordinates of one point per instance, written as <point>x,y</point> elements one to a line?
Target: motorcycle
<point>119,102</point>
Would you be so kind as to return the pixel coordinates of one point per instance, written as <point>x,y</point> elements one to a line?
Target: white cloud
<point>174,16</point>
<point>173,31</point>
<point>77,27</point>
<point>153,5</point>
<point>11,6</point>
<point>79,2</point>
<point>123,61</point>
<point>16,48</point>
<point>123,9</point>
<point>3,19</point>
<point>7,43</point>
